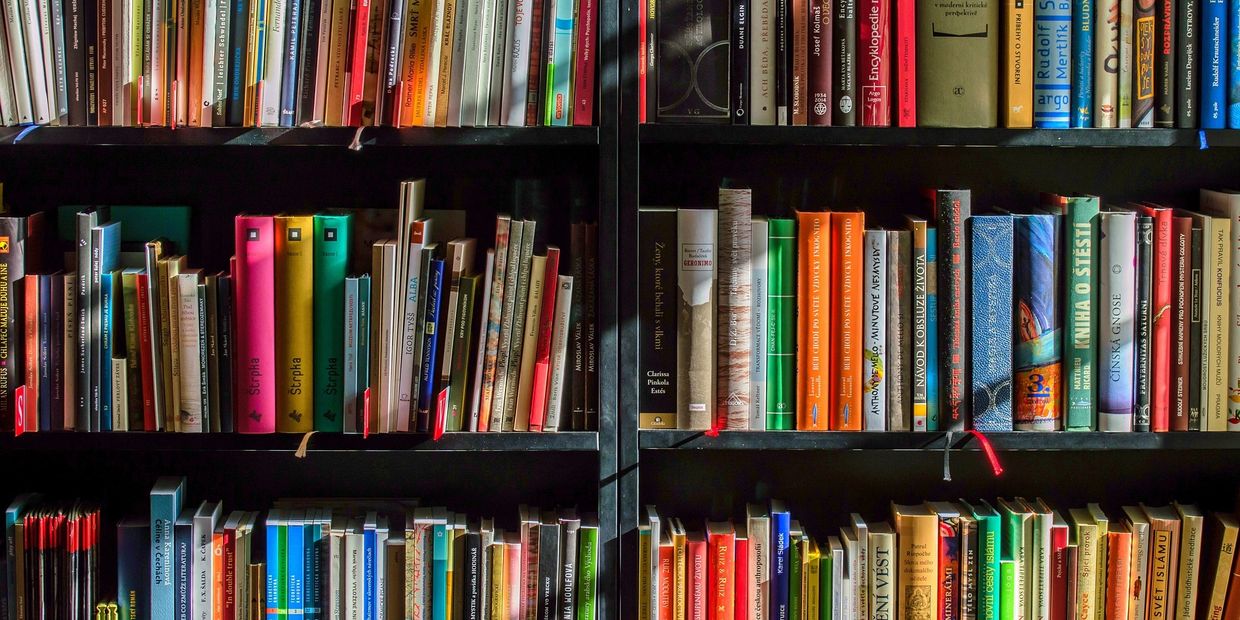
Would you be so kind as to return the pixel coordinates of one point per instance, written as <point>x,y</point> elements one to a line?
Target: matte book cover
<point>294,243</point>
<point>331,262</point>
<point>951,209</point>
<point>1052,68</point>
<point>847,258</point>
<point>693,61</point>
<point>991,248</point>
<point>695,368</point>
<point>781,320</point>
<point>658,318</point>
<point>813,319</point>
<point>1117,293</point>
<point>256,345</point>
<point>735,307</point>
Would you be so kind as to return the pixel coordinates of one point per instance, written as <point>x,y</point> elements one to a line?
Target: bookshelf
<point>300,136</point>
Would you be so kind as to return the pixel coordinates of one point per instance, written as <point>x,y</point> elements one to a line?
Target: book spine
<point>583,54</point>
<point>813,319</point>
<point>761,61</point>
<point>847,260</point>
<point>308,62</point>
<point>256,354</point>
<point>365,310</point>
<point>1213,60</point>
<point>780,563</point>
<point>462,332</point>
<point>739,49</point>
<point>874,371</point>
<point>1187,61</point>
<point>1083,68</point>
<point>781,61</point>
<point>760,238</point>
<point>559,355</point>
<point>85,221</point>
<point>798,64</point>
<point>1052,83</point>
<point>235,81</point>
<point>1118,296</point>
<point>780,322</point>
<point>356,71</point>
<point>1144,322</point>
<point>1165,70</point>
<point>430,345</point>
<point>735,338</point>
<point>1080,292</point>
<point>294,275</point>
<point>993,275</point>
<point>191,406</point>
<point>917,539</point>
<point>1038,387</point>
<point>933,404</point>
<point>1181,235</point>
<point>518,335</point>
<point>227,352</point>
<point>44,343</point>
<point>12,269</point>
<point>657,348</point>
<point>1160,347</point>
<point>919,361</point>
<point>145,361</point>
<point>506,323</point>
<point>1215,329</point>
<point>540,35</point>
<point>106,315</point>
<point>332,237</point>
<point>696,330</point>
<point>527,360</point>
<point>133,367</point>
<point>350,361</point>
<point>720,571</point>
<point>1196,315</point>
<point>899,331</point>
<point>906,63</point>
<point>819,63</point>
<point>1106,63</point>
<point>952,208</point>
<point>1126,64</point>
<point>875,78</point>
<point>949,570</point>
<point>1018,68</point>
<point>1143,79</point>
<point>844,73</point>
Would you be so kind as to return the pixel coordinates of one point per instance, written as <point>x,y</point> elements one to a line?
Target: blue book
<point>430,342</point>
<point>275,560</point>
<point>295,555</point>
<point>292,47</point>
<point>1052,67</point>
<point>166,498</point>
<point>992,322</point>
<point>15,511</point>
<point>368,567</point>
<point>183,563</point>
<point>781,531</point>
<point>439,568</point>
<point>1038,388</point>
<point>1083,67</point>
<point>560,65</point>
<point>45,357</point>
<point>1214,64</point>
<point>932,332</point>
<point>105,258</point>
<point>133,568</point>
<point>315,522</point>
<point>1233,64</point>
<point>105,341</point>
<point>238,40</point>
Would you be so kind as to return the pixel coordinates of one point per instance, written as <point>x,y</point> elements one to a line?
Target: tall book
<point>761,62</point>
<point>1187,62</point>
<point>658,324</point>
<point>951,211</point>
<point>1143,64</point>
<point>1144,322</point>
<point>332,239</point>
<point>86,221</point>
<point>190,404</point>
<point>899,330</point>
<point>1160,346</point>
<point>781,318</point>
<point>847,293</point>
<point>917,558</point>
<point>1018,65</point>
<point>813,319</point>
<point>875,73</point>
<point>696,329</point>
<point>1106,63</point>
<point>820,61</point>
<point>1080,294</point>
<point>1215,332</point>
<point>1037,356</point>
<point>1213,61</point>
<point>991,248</point>
<point>1126,64</point>
<point>1227,205</point>
<point>166,498</point>
<point>256,342</point>
<point>735,308</point>
<point>738,49</point>
<point>1117,292</point>
<point>294,270</point>
<point>760,240</point>
<point>874,380</point>
<point>1165,69</point>
<point>844,64</point>
<point>920,361</point>
<point>1052,71</point>
<point>1083,26</point>
<point>1221,532</point>
<point>1181,298</point>
<point>12,269</point>
<point>1192,532</point>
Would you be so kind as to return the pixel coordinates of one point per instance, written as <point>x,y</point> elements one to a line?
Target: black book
<point>307,65</point>
<point>1165,85</point>
<point>656,324</point>
<point>590,423</point>
<point>783,63</point>
<point>213,352</point>
<point>576,406</point>
<point>1196,257</point>
<point>75,59</point>
<point>569,526</point>
<point>844,75</point>
<point>86,220</point>
<point>951,208</point>
<point>56,346</point>
<point>548,593</point>
<point>1144,320</point>
<point>474,573</point>
<point>46,419</point>
<point>182,567</point>
<point>224,350</point>
<point>204,376</point>
<point>738,47</point>
<point>90,33</point>
<point>459,584</point>
<point>238,40</point>
<point>693,61</point>
<point>650,13</point>
<point>1186,61</point>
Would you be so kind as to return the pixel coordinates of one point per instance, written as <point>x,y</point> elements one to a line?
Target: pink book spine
<point>357,63</point>
<point>514,569</point>
<point>542,362</point>
<point>256,344</point>
<point>875,71</point>
<point>906,63</point>
<point>583,89</point>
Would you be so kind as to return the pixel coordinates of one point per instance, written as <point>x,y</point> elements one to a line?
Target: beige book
<point>186,352</point>
<point>1226,204</point>
<point>917,539</point>
<point>1136,521</point>
<point>1216,343</point>
<point>334,104</point>
<point>376,338</point>
<point>529,346</point>
<point>445,60</point>
<point>1192,528</point>
<point>1164,561</point>
<point>735,294</point>
<point>695,354</point>
<point>1100,521</point>
<point>120,395</point>
<point>388,341</point>
<point>434,45</point>
<point>882,578</point>
<point>1084,534</point>
<point>168,272</point>
<point>1222,540</point>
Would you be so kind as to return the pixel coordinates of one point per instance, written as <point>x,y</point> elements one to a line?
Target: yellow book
<point>1100,592</point>
<point>917,560</point>
<point>1218,255</point>
<point>445,61</point>
<point>333,113</point>
<point>193,94</point>
<point>294,323</point>
<point>252,68</point>
<point>811,558</point>
<point>499,578</point>
<point>1084,534</point>
<point>454,531</point>
<point>417,51</point>
<point>680,585</point>
<point>170,337</point>
<point>1018,65</point>
<point>529,346</point>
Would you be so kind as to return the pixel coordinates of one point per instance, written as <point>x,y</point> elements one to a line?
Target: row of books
<point>910,63</point>
<point>278,63</point>
<point>52,560</point>
<point>943,560</point>
<point>1067,314</point>
<point>286,340</point>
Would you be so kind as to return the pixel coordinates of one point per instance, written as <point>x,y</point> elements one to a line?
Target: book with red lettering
<point>667,562</point>
<point>546,325</point>
<point>145,364</point>
<point>951,208</point>
<point>1119,570</point>
<point>255,328</point>
<point>356,68</point>
<point>874,62</point>
<point>1160,349</point>
<point>583,76</point>
<point>906,63</point>
<point>721,570</point>
<point>696,575</point>
<point>847,290</point>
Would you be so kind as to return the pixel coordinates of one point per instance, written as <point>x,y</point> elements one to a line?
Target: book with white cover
<point>273,63</point>
<point>559,353</point>
<point>190,399</point>
<point>517,64</point>
<point>757,378</point>
<point>1117,295</point>
<point>36,71</point>
<point>874,326</point>
<point>484,309</point>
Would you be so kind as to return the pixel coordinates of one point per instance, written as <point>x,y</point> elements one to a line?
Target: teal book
<point>932,331</point>
<point>332,235</point>
<point>166,498</point>
<point>1081,221</point>
<point>560,64</point>
<point>781,366</point>
<point>296,562</point>
<point>439,568</point>
<point>990,545</point>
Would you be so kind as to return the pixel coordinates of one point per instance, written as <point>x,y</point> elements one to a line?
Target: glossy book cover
<point>1038,353</point>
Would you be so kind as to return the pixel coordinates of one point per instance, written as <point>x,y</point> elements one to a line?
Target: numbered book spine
<point>256,350</point>
<point>332,238</point>
<point>1081,320</point>
<point>1106,63</point>
<point>781,319</point>
<point>1213,61</point>
<point>951,299</point>
<point>992,265</point>
<point>1144,321</point>
<point>1052,83</point>
<point>760,237</point>
<point>813,319</point>
<point>1083,68</point>
<point>1117,294</point>
<point>844,71</point>
<point>735,308</point>
<point>874,326</point>
<point>848,264</point>
<point>1038,358</point>
<point>695,338</point>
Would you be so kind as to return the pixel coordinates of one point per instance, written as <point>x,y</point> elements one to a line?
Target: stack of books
<point>1065,315</point>
<point>52,558</point>
<point>289,63</point>
<point>923,63</point>
<point>965,559</point>
<point>438,337</point>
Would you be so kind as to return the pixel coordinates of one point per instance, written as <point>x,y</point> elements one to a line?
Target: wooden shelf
<point>1025,441</point>
<point>319,136</point>
<point>288,442</point>
<point>935,136</point>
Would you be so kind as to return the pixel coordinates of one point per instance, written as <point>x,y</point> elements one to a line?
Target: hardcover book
<point>1081,298</point>
<point>1227,205</point>
<point>844,61</point>
<point>1106,63</point>
<point>760,240</point>
<point>693,61</point>
<point>917,539</point>
<point>875,69</point>
<point>781,317</point>
<point>1083,26</point>
<point>813,319</point>
<point>951,209</point>
<point>294,273</point>
<point>899,330</point>
<point>1144,322</point>
<point>1117,292</point>
<point>1052,70</point>
<point>874,326</point>
<point>332,238</point>
<point>1213,61</point>
<point>1143,70</point>
<point>847,258</point>
<point>735,308</point>
<point>696,335</point>
<point>992,265</point>
<point>957,53</point>
<point>256,346</point>
<point>919,355</point>
<point>1018,66</point>
<point>1037,355</point>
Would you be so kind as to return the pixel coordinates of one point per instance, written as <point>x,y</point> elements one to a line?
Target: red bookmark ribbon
<point>991,455</point>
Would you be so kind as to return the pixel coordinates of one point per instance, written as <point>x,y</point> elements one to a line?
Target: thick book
<point>874,380</point>
<point>657,324</point>
<point>255,329</point>
<point>105,241</point>
<point>951,211</point>
<point>813,319</point>
<point>781,319</point>
<point>1117,293</point>
<point>86,221</point>
<point>1192,531</point>
<point>781,526</point>
<point>1144,322</point>
<point>847,293</point>
<point>1216,234</point>
<point>460,261</point>
<point>294,275</point>
<point>332,239</point>
<point>698,293</point>
<point>693,81</point>
<point>917,542</point>
<point>493,319</point>
<point>1106,63</point>
<point>1220,553</point>
<point>166,497</point>
<point>12,270</point>
<point>1052,71</point>
<point>720,570</point>
<point>1037,353</point>
<point>844,64</point>
<point>899,330</point>
<point>1018,65</point>
<point>1165,539</point>
<point>991,247</point>
<point>874,73</point>
<point>735,291</point>
<point>1080,294</point>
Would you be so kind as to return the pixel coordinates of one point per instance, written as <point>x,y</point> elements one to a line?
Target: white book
<point>153,80</point>
<point>735,342</point>
<point>408,368</point>
<point>456,75</point>
<point>839,580</point>
<point>1106,65</point>
<point>432,67</point>
<point>354,573</point>
<point>467,114</point>
<point>273,63</point>
<point>1227,204</point>
<point>874,324</point>
<point>210,33</point>
<point>486,53</point>
<point>119,395</point>
<point>8,104</point>
<point>1117,296</point>
<point>517,64</point>
<point>1124,118</point>
<point>33,32</point>
<point>51,19</point>
<point>190,400</point>
<point>852,572</point>
<point>762,63</point>
<point>16,59</point>
<point>202,592</point>
<point>757,377</point>
<point>559,353</point>
<point>861,578</point>
<point>1043,520</point>
<point>759,526</point>
<point>481,346</point>
<point>1140,557</point>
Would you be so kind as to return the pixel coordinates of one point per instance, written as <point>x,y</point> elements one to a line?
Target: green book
<point>825,586</point>
<point>794,571</point>
<point>462,346</point>
<point>1017,542</point>
<point>331,265</point>
<point>133,348</point>
<point>990,545</point>
<point>587,566</point>
<point>282,570</point>
<point>1007,589</point>
<point>781,364</point>
<point>1081,294</point>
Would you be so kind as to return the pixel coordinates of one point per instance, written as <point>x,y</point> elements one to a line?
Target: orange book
<point>847,230</point>
<point>217,571</point>
<point>667,560</point>
<point>721,573</point>
<point>813,319</point>
<point>193,100</point>
<point>1119,570</point>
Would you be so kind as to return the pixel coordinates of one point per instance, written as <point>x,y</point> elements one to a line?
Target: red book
<point>357,65</point>
<point>1181,307</point>
<point>255,282</point>
<point>696,579</point>
<point>906,63</point>
<point>542,361</point>
<point>1160,349</point>
<point>641,62</point>
<point>1059,569</point>
<point>721,570</point>
<point>874,62</point>
<point>31,302</point>
<point>949,570</point>
<point>820,62</point>
<point>667,561</point>
<point>740,575</point>
<point>145,367</point>
<point>847,290</point>
<point>586,51</point>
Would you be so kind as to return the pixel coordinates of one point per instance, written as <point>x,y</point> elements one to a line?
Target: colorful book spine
<point>735,308</point>
<point>952,213</point>
<point>874,383</point>
<point>875,69</point>
<point>1214,49</point>
<point>696,374</point>
<point>1160,346</point>
<point>332,240</point>
<point>919,309</point>
<point>899,330</point>
<point>294,271</point>
<point>1052,76</point>
<point>933,402</point>
<point>906,63</point>
<point>1038,358</point>
<point>559,64</point>
<point>1018,72</point>
<point>847,293</point>
<point>1081,320</point>
<point>1083,68</point>
<point>781,319</point>
<point>844,71</point>
<point>431,338</point>
<point>813,320</point>
<point>1144,322</point>
<point>1117,293</point>
<point>166,498</point>
<point>256,346</point>
<point>992,264</point>
<point>1106,63</point>
<point>781,555</point>
<point>1143,76</point>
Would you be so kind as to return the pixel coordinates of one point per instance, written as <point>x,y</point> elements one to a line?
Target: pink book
<point>514,570</point>
<point>583,89</point>
<point>906,63</point>
<point>255,283</point>
<point>357,63</point>
<point>542,362</point>
<point>874,72</point>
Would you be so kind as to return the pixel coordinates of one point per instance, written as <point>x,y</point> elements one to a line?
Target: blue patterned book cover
<point>1038,356</point>
<point>1083,67</point>
<point>295,555</point>
<point>1052,69</point>
<point>992,322</point>
<point>1214,41</point>
<point>781,530</point>
<point>932,331</point>
<point>1233,64</point>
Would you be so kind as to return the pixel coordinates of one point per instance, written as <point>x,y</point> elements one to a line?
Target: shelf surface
<point>934,136</point>
<point>319,442</point>
<point>793,440</point>
<point>299,136</point>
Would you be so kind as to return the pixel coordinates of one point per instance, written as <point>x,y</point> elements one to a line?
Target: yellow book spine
<point>813,587</point>
<point>681,587</point>
<point>194,89</point>
<point>643,574</point>
<point>333,114</point>
<point>1018,88</point>
<point>918,562</point>
<point>294,323</point>
<point>445,62</point>
<point>421,55</point>
<point>499,580</point>
<point>251,67</point>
